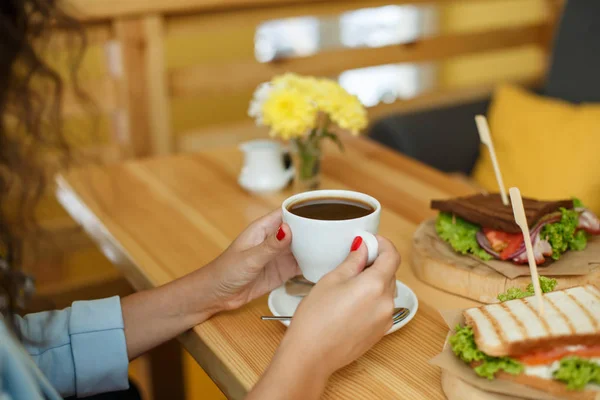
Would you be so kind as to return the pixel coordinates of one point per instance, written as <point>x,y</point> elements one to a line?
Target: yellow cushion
<point>547,148</point>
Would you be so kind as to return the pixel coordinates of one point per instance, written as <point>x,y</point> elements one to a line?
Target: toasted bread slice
<point>513,328</point>
<point>488,211</point>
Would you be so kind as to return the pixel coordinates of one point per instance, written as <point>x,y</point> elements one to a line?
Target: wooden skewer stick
<point>521,220</point>
<point>486,139</point>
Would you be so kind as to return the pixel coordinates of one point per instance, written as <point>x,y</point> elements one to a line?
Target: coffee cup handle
<point>372,246</point>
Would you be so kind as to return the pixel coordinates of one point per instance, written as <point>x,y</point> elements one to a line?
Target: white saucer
<point>282,304</point>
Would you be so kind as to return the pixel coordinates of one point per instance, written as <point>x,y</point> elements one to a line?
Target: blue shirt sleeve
<point>81,349</point>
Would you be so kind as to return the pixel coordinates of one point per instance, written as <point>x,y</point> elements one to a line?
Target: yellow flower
<point>343,109</point>
<point>289,113</point>
<point>290,105</point>
<point>326,93</point>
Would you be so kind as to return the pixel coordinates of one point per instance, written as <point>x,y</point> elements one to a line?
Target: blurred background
<point>171,76</point>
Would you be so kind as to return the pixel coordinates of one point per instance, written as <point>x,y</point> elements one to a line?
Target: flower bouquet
<point>306,110</point>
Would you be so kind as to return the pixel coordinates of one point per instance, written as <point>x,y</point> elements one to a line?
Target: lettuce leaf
<point>460,234</point>
<point>563,235</point>
<point>546,284</point>
<point>514,293</point>
<point>463,345</point>
<point>579,241</point>
<point>577,373</point>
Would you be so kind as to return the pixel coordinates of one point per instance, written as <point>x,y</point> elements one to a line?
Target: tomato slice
<point>548,357</point>
<point>504,243</point>
<point>513,245</point>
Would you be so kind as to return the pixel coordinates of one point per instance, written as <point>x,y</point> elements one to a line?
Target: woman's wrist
<point>198,298</point>
<point>292,375</point>
<point>294,355</point>
<point>154,316</point>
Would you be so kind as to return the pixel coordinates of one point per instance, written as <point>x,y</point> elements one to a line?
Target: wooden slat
<point>96,33</point>
<point>158,101</point>
<point>106,9</point>
<point>250,18</point>
<point>133,85</point>
<point>468,16</point>
<point>235,133</point>
<point>186,24</point>
<point>210,78</point>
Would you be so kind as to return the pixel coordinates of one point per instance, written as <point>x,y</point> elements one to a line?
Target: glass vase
<point>306,155</point>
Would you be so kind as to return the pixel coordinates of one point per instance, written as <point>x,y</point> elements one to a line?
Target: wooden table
<point>159,219</point>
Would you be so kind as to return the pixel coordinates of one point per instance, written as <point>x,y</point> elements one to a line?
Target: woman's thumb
<point>355,262</point>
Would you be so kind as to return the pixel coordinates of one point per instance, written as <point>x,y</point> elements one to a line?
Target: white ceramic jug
<point>264,169</point>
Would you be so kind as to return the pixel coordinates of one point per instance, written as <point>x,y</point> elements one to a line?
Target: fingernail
<point>356,243</point>
<point>280,234</point>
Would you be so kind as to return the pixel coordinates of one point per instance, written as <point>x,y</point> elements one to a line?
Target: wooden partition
<point>189,66</point>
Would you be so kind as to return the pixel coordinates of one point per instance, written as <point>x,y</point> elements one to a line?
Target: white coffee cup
<point>321,245</point>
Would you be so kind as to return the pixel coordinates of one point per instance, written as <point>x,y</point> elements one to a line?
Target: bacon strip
<point>589,222</point>
<point>541,249</point>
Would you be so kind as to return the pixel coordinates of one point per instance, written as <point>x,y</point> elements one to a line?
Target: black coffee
<point>331,209</point>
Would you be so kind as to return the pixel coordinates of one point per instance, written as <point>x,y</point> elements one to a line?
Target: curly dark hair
<point>30,128</point>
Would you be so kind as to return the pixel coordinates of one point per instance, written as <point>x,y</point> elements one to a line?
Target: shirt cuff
<point>99,347</point>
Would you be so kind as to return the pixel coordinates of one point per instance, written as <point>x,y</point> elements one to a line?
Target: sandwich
<point>558,353</point>
<point>481,226</point>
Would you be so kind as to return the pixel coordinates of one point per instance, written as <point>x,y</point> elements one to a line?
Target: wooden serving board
<point>456,389</point>
<point>435,263</point>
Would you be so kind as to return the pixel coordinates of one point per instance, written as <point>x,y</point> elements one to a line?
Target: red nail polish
<point>356,243</point>
<point>280,234</point>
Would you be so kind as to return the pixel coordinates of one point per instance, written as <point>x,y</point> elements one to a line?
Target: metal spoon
<point>400,314</point>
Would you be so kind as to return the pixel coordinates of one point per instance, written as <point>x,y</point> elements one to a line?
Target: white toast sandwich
<point>558,352</point>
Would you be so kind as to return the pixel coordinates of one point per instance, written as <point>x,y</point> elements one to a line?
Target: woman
<point>85,349</point>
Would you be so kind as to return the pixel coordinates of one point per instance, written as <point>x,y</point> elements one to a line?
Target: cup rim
<point>331,193</point>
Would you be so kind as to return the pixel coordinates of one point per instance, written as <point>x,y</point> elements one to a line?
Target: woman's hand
<point>345,314</point>
<point>258,261</point>
<point>348,311</point>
